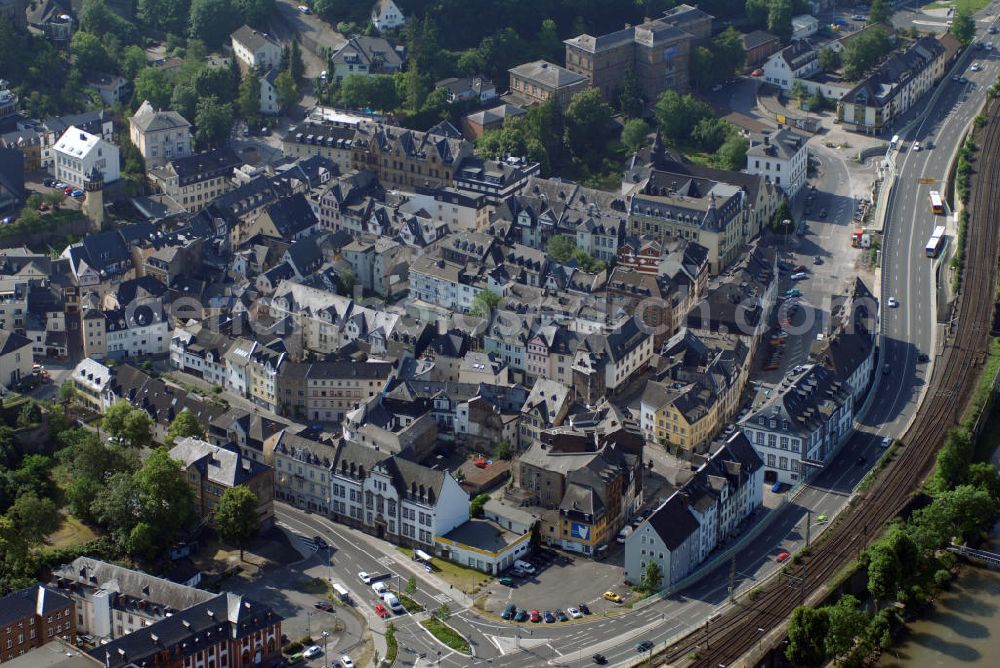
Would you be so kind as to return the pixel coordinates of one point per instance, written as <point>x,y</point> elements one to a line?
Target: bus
<point>937,205</point>
<point>935,242</point>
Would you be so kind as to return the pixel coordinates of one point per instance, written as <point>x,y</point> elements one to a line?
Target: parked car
<point>320,543</point>
<point>325,606</point>
<point>509,611</point>
<point>506,581</point>
<point>817,260</point>
<point>48,183</point>
<point>799,276</point>
<point>346,661</point>
<point>886,441</point>
<point>382,611</point>
<point>536,616</point>
<point>561,616</point>
<point>367,579</point>
<point>776,487</point>
<point>548,617</point>
<point>521,616</point>
<point>574,613</point>
<point>312,652</point>
<point>305,10</point>
<point>782,556</point>
<point>612,596</point>
<point>584,608</point>
<point>68,189</point>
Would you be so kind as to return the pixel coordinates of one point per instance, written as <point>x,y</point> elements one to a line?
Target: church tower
<point>93,201</point>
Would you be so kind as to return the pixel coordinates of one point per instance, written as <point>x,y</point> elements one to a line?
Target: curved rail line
<point>722,643</point>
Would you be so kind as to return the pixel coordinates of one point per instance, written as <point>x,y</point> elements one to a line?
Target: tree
<point>163,497</point>
<point>864,51</point>
<point>588,118</point>
<point>185,424</point>
<point>346,282</point>
<point>779,18</point>
<point>829,60</point>
<point>678,114</point>
<point>880,12</point>
<point>132,61</point>
<point>295,64</point>
<point>798,90</point>
<point>215,81</point>
<point>212,21</point>
<point>984,476</point>
<point>502,450</point>
<point>483,303</point>
<point>550,47</point>
<point>169,16</point>
<point>757,11</point>
<point>30,415</point>
<point>631,95</point>
<point>883,572</point>
<point>561,248</point>
<point>652,577</point>
<point>248,97</point>
<point>411,586</point>
<point>213,120</point>
<point>634,134</point>
<point>807,630</point>
<point>151,84</point>
<point>727,52</point>
<point>255,12</point>
<point>89,54</point>
<point>34,517</point>
<point>709,134</point>
<point>377,91</point>
<point>702,67</point>
<point>963,25</point>
<point>54,199</point>
<point>236,516</point>
<point>477,503</point>
<point>184,99</point>
<point>443,612</point>
<point>128,424</point>
<point>287,91</point>
<point>846,621</point>
<point>952,460</point>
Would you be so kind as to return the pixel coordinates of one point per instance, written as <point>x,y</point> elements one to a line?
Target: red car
<point>536,616</point>
<point>381,611</point>
<point>68,189</point>
<point>782,556</point>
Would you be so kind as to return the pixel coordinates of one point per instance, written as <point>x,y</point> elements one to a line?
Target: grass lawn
<point>466,579</point>
<point>973,5</point>
<point>71,532</point>
<point>447,635</point>
<point>410,605</point>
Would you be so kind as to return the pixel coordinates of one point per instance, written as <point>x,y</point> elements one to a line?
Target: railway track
<point>954,379</point>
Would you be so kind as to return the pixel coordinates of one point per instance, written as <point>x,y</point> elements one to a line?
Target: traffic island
<point>447,635</point>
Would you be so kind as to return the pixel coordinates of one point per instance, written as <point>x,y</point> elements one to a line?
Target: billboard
<point>580,531</point>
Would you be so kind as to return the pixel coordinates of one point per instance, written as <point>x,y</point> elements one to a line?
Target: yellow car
<point>613,597</point>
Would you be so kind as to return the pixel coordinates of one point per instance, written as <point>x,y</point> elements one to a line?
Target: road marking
<point>549,645</point>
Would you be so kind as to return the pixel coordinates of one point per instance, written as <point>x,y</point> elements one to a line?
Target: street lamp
<point>325,636</point>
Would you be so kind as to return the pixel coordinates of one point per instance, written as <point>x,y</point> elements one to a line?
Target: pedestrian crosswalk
<point>304,545</point>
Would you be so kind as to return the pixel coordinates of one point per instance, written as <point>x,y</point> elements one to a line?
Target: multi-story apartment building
<point>546,406</point>
<point>78,155</point>
<point>802,426</point>
<point>718,497</point>
<point>159,135</point>
<point>302,470</point>
<point>605,363</point>
<point>327,391</point>
<point>211,470</point>
<point>364,56</point>
<point>656,51</point>
<point>195,180</point>
<point>798,60</point>
<point>255,50</point>
<point>328,140</point>
<point>781,157</point>
<point>407,158</point>
<point>263,364</point>
<point>113,601</point>
<point>140,330</point>
<point>201,352</point>
<point>539,81</point>
<point>227,630</point>
<point>895,85</point>
<point>394,498</point>
<point>33,616</point>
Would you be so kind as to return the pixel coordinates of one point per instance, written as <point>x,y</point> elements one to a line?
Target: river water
<point>963,629</point>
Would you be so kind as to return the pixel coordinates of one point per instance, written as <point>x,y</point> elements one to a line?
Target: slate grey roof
<point>188,633</point>
<point>11,341</point>
<point>547,74</point>
<point>217,463</point>
<point>24,602</point>
<point>253,39</point>
<point>136,585</point>
<point>148,119</point>
<point>673,521</point>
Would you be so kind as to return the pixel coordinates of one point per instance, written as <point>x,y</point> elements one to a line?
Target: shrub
<point>942,577</point>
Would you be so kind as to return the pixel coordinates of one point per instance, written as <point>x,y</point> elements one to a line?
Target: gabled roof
<point>148,119</point>
<point>253,39</point>
<point>547,74</point>
<point>673,522</point>
<point>34,600</point>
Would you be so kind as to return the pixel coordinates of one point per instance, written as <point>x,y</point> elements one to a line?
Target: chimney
<point>767,140</point>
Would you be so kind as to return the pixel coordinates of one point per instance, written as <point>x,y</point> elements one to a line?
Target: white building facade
<point>78,153</point>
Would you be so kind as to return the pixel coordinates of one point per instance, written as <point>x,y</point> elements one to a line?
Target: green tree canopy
<point>34,517</point>
<point>483,303</point>
<point>213,120</point>
<point>631,95</point>
<point>212,21</point>
<point>89,54</point>
<point>169,16</point>
<point>378,91</point>
<point>561,248</point>
<point>963,25</point>
<point>477,503</point>
<point>151,83</point>
<point>677,115</point>
<point>652,577</point>
<point>248,97</point>
<point>128,424</point>
<point>864,52</point>
<point>236,517</point>
<point>829,60</point>
<point>880,12</point>
<point>588,120</point>
<point>185,424</point>
<point>846,621</point>
<point>807,632</point>
<point>287,90</point>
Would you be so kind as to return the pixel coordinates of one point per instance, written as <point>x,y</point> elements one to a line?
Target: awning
<point>423,556</point>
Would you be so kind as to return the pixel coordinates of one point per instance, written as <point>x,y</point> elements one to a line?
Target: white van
<point>895,141</point>
<point>624,534</point>
<point>379,588</point>
<point>524,566</point>
<point>392,601</point>
<point>341,592</point>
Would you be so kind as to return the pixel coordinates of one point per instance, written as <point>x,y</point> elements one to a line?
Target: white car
<point>574,613</point>
<point>916,146</point>
<point>975,67</point>
<point>716,88</point>
<point>893,303</point>
<point>312,652</point>
<point>346,661</point>
<point>367,579</point>
<point>379,588</point>
<point>305,10</point>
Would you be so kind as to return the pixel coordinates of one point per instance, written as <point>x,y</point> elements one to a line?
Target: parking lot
<point>547,588</point>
